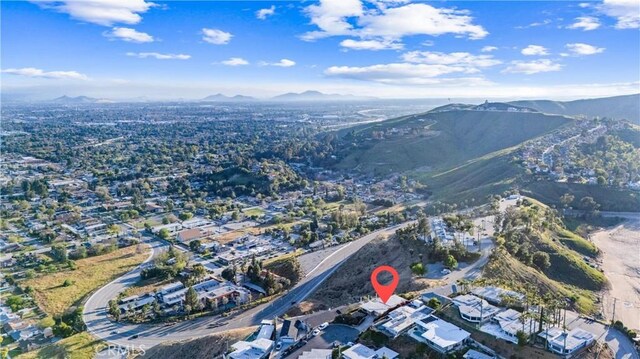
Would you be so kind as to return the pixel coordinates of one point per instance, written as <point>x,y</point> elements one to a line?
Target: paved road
<point>149,335</point>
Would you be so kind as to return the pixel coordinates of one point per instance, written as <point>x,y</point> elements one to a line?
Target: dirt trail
<point>620,248</point>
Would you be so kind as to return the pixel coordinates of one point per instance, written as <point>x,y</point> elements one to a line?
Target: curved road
<point>149,335</point>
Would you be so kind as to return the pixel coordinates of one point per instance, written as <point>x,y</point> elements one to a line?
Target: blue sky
<point>497,49</point>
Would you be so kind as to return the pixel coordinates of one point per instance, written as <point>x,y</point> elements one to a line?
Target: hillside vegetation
<point>617,107</point>
<point>535,249</point>
<point>437,140</point>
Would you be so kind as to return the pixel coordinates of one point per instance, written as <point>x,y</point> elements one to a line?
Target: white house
<point>376,307</point>
<point>566,343</point>
<point>359,351</point>
<point>257,349</point>
<point>474,309</point>
<point>402,318</point>
<point>439,335</point>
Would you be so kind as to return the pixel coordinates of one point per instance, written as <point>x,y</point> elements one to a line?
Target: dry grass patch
<point>92,273</point>
<point>351,282</point>
<point>79,346</point>
<point>212,346</point>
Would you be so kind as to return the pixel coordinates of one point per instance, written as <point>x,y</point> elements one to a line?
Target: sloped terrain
<point>617,107</point>
<point>438,140</point>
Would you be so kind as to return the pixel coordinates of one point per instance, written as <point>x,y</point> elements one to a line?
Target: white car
<point>446,271</point>
<point>315,332</point>
<point>323,326</point>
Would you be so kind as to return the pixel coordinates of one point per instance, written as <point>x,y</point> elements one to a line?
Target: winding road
<point>148,335</point>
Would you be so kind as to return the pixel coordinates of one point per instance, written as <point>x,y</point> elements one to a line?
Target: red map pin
<point>384,291</point>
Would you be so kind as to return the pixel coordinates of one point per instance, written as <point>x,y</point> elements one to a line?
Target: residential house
<point>401,319</point>
<point>257,349</point>
<point>474,309</point>
<point>566,343</point>
<point>359,351</point>
<point>439,335</point>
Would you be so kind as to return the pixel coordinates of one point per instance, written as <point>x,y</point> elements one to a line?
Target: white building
<point>474,309</point>
<point>257,349</point>
<point>495,295</point>
<point>359,351</point>
<point>376,307</point>
<point>316,354</point>
<point>566,343</point>
<point>401,319</point>
<point>506,324</point>
<point>439,335</point>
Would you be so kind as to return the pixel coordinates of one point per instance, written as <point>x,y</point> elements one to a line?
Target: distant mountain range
<point>79,100</point>
<point>319,96</point>
<point>223,98</point>
<point>618,107</point>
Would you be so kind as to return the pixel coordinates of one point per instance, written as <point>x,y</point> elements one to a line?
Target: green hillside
<point>540,251</point>
<point>437,140</point>
<point>618,107</point>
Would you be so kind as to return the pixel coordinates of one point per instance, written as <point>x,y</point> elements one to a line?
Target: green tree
<point>541,260</point>
<point>114,310</point>
<point>185,216</point>
<point>164,233</point>
<point>450,262</point>
<point>195,245</point>
<point>59,253</point>
<point>523,338</point>
<point>199,271</point>
<point>46,322</point>
<point>190,300</point>
<point>434,303</point>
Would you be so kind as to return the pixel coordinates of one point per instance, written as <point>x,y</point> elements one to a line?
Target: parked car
<point>323,326</point>
<point>315,332</point>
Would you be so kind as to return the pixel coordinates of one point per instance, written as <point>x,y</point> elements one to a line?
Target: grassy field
<point>577,243</point>
<point>254,211</point>
<point>212,346</point>
<point>92,273</point>
<point>78,346</point>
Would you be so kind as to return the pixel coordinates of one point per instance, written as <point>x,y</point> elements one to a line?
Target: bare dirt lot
<point>620,248</point>
<point>351,281</point>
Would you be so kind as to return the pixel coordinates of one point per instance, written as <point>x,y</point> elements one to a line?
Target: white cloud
<point>533,67</point>
<point>580,49</point>
<point>535,24</point>
<point>460,59</point>
<point>129,35</point>
<point>626,12</point>
<point>586,23</point>
<point>235,61</point>
<point>420,19</point>
<point>488,49</point>
<point>330,16</point>
<point>215,36</point>
<point>33,72</point>
<point>404,74</point>
<point>389,22</point>
<point>281,63</point>
<point>535,50</point>
<point>373,45</point>
<point>262,14</point>
<point>101,12</point>
<point>159,56</point>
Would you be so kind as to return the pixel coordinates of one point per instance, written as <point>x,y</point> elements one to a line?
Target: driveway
<point>334,332</point>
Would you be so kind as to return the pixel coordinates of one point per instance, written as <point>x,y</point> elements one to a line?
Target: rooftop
<point>441,333</point>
